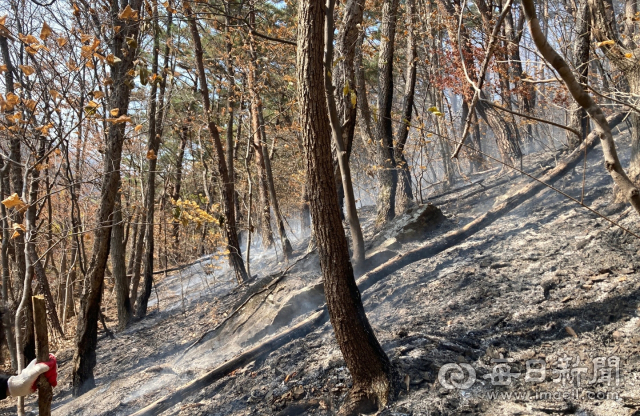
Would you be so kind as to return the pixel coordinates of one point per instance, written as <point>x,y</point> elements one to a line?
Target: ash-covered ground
<point>549,286</point>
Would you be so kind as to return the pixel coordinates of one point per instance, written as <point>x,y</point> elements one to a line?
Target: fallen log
<point>369,279</point>
<point>213,332</point>
<point>457,236</point>
<point>297,331</point>
<point>180,267</point>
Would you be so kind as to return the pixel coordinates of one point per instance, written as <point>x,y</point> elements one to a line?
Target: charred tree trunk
<point>264,208</point>
<point>84,359</point>
<point>404,195</point>
<point>305,214</point>
<point>342,155</point>
<point>135,220</point>
<point>623,54</point>
<point>16,250</point>
<point>231,91</point>
<point>153,146</point>
<point>475,157</point>
<point>228,221</point>
<point>263,193</point>
<point>387,173</point>
<point>513,32</point>
<point>612,163</point>
<point>367,362</point>
<point>266,157</point>
<point>578,118</point>
<point>123,304</point>
<point>184,137</point>
<point>137,262</point>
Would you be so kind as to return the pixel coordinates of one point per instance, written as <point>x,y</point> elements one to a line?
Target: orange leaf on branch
<point>14,201</point>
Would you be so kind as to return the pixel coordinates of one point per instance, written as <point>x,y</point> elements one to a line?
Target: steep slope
<point>548,279</point>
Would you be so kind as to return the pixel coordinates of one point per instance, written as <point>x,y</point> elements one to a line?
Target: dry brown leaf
<point>12,99</point>
<point>46,31</point>
<point>112,59</point>
<point>128,14</point>
<point>28,39</point>
<point>122,119</point>
<point>605,43</point>
<point>30,104</point>
<point>27,69</point>
<point>14,201</point>
<point>571,332</point>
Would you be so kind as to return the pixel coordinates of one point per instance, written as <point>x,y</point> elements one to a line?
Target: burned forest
<point>320,207</point>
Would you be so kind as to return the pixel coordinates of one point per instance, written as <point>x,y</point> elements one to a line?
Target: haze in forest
<point>300,207</point>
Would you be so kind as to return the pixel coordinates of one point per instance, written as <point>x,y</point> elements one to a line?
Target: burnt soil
<point>548,281</point>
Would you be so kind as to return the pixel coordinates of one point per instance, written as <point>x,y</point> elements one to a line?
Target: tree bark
<point>153,146</point>
<point>342,155</point>
<point>247,162</point>
<point>611,161</point>
<point>8,299</point>
<point>137,262</point>
<point>387,173</point>
<point>15,177</point>
<point>231,91</point>
<point>123,304</point>
<point>343,80</point>
<point>369,366</point>
<point>343,74</point>
<point>228,221</point>
<point>84,359</point>
<point>404,195</point>
<point>42,284</point>
<point>604,28</point>
<point>527,94</point>
<point>177,186</point>
<point>257,140</point>
<point>578,118</point>
<point>284,239</point>
<point>16,251</point>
